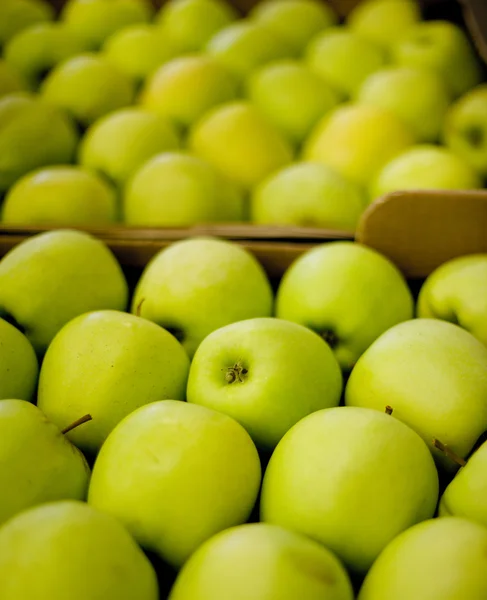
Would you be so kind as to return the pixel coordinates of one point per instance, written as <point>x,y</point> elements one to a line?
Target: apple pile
<point>116,113</point>
<point>205,435</point>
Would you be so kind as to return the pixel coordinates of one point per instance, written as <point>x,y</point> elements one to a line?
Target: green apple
<point>442,47</point>
<point>290,96</point>
<point>18,364</point>
<point>433,375</point>
<point>68,549</point>
<point>237,140</point>
<point>343,59</point>
<point>417,96</point>
<point>187,87</point>
<point>307,194</point>
<point>175,474</point>
<point>262,562</point>
<point>175,189</point>
<point>11,80</point>
<point>65,195</point>
<point>189,24</point>
<point>339,290</point>
<point>465,128</point>
<point>37,463</point>
<point>242,47</point>
<point>32,134</point>
<point>267,374</point>
<point>295,21</point>
<point>118,144</point>
<point>352,479</point>
<point>457,291</point>
<point>424,167</point>
<point>16,15</point>
<point>383,21</point>
<point>198,285</point>
<point>97,20</point>
<point>357,140</point>
<point>88,86</point>
<point>135,362</point>
<point>52,277</point>
<point>138,50</point>
<point>440,559</point>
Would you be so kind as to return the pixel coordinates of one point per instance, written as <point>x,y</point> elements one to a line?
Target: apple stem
<point>448,452</point>
<point>139,307</point>
<point>77,423</point>
<point>389,410</point>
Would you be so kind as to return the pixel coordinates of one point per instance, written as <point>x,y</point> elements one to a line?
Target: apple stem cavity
<point>139,307</point>
<point>475,136</point>
<point>236,373</point>
<point>389,410</point>
<point>448,452</point>
<point>330,338</point>
<point>77,423</point>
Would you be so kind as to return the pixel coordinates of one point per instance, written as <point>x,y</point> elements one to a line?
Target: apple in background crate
<point>16,15</point>
<point>11,80</point>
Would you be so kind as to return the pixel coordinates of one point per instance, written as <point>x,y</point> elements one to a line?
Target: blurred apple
<point>240,143</point>
<point>357,140</point>
<point>343,59</point>
<point>465,130</point>
<point>65,195</point>
<point>309,195</point>
<point>198,285</point>
<point>32,134</point>
<point>295,21</point>
<point>442,47</point>
<point>175,474</point>
<point>88,86</point>
<point>18,364</point>
<point>441,559</point>
<point>16,15</point>
<point>352,479</point>
<point>174,189</point>
<point>185,88</point>
<point>417,96</point>
<point>97,20</point>
<point>457,291</point>
<point>262,562</point>
<point>189,24</point>
<point>118,144</point>
<point>338,290</point>
<point>50,278</point>
<point>290,96</point>
<point>11,80</point>
<point>433,375</point>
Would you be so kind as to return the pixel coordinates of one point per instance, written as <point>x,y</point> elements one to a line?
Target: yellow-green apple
<point>189,24</point>
<point>442,47</point>
<point>352,479</point>
<point>68,548</point>
<point>424,167</point>
<point>291,96</point>
<point>136,362</point>
<point>32,134</point>
<point>383,21</point>
<point>295,21</point>
<point>18,364</point>
<point>348,293</point>
<point>418,96</point>
<point>465,128</point>
<point>176,189</point>
<point>242,47</point>
<point>37,463</point>
<point>97,20</point>
<point>16,15</point>
<point>307,194</point>
<point>262,562</point>
<point>11,80</point>
<point>267,374</point>
<point>457,291</point>
<point>119,143</point>
<point>440,559</point>
<point>343,59</point>
<point>187,87</point>
<point>175,474</point>
<point>357,140</point>
<point>88,86</point>
<point>64,195</point>
<point>434,376</point>
<point>237,140</point>
<point>52,277</point>
<point>200,272</point>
